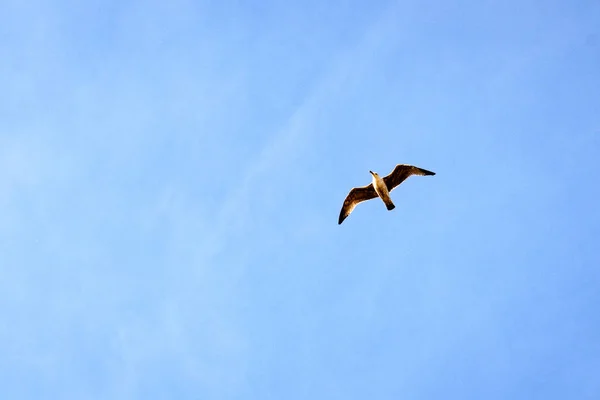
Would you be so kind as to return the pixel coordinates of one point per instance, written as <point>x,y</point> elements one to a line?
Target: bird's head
<point>373,173</point>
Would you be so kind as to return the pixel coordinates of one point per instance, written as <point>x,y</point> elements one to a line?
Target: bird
<point>380,187</point>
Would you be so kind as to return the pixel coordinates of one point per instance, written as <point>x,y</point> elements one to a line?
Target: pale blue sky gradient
<point>171,174</point>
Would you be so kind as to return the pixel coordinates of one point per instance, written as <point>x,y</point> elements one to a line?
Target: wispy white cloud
<point>287,146</point>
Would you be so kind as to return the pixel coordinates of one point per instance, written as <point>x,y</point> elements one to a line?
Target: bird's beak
<point>371,172</point>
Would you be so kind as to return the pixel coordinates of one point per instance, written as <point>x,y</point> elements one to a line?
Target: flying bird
<point>380,187</point>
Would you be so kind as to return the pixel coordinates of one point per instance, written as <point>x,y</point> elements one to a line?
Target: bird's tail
<point>390,205</point>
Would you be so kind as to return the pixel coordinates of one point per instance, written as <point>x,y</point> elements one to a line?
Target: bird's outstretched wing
<point>401,172</point>
<point>356,195</point>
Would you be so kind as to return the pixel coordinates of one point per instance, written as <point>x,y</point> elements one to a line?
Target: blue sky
<point>171,174</point>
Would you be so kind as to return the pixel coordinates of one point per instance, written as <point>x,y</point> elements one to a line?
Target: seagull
<point>380,187</point>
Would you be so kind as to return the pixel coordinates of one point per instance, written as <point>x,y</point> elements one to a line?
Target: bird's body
<point>380,187</point>
<point>382,190</point>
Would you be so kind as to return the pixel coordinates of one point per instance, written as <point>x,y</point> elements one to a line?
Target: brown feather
<point>356,195</point>
<point>401,173</point>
